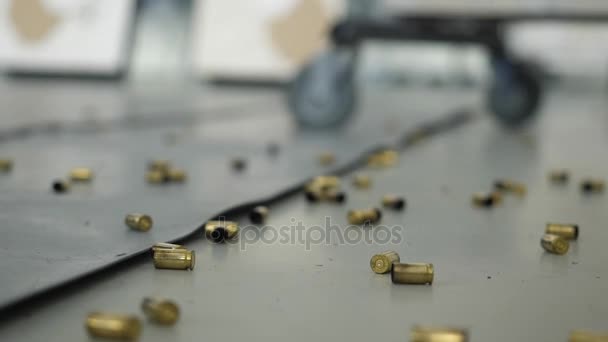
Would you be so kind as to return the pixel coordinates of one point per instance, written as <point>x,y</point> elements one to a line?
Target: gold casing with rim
<point>116,326</point>
<point>160,310</point>
<point>382,263</point>
<point>414,273</point>
<point>554,244</point>
<point>175,259</point>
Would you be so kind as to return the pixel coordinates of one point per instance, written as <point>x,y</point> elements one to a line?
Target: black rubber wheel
<point>323,93</point>
<point>515,94</point>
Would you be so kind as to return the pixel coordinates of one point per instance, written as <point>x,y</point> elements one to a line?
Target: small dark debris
<point>320,265</point>
<point>489,277</point>
<point>575,263</point>
<point>121,254</point>
<point>238,164</point>
<point>87,223</point>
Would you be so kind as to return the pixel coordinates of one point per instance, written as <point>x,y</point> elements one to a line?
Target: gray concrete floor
<point>492,277</point>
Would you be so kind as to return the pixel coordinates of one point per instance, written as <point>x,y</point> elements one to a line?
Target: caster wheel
<point>323,93</point>
<point>516,93</point>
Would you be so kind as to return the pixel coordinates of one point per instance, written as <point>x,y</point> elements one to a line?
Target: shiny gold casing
<point>554,244</point>
<point>139,222</point>
<point>486,200</point>
<point>586,336</point>
<point>177,175</point>
<point>393,201</point>
<point>567,231</point>
<point>437,334</point>
<point>115,326</point>
<point>510,186</point>
<point>415,273</point>
<point>175,259</point>
<point>81,174</point>
<point>160,310</point>
<point>322,184</point>
<point>383,159</point>
<point>383,262</point>
<point>230,230</point>
<point>559,176</point>
<point>259,214</point>
<point>156,177</point>
<point>362,216</point>
<point>592,185</point>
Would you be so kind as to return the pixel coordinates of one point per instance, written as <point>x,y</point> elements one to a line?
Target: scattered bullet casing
<point>220,231</point>
<point>60,186</point>
<point>81,174</point>
<point>592,186</point>
<point>323,184</point>
<point>362,181</point>
<point>383,262</point>
<point>328,196</point>
<point>436,334</point>
<point>6,165</point>
<point>510,186</point>
<point>416,273</point>
<point>176,175</point>
<point>327,158</point>
<point>586,336</point>
<point>383,159</point>
<point>139,222</point>
<point>157,177</point>
<point>258,214</point>
<point>554,244</point>
<point>559,176</point>
<point>121,327</point>
<point>566,231</point>
<point>485,200</point>
<point>175,259</point>
<point>393,202</point>
<point>159,310</point>
<point>364,216</point>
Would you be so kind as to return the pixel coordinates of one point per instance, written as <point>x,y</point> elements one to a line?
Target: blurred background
<point>117,56</point>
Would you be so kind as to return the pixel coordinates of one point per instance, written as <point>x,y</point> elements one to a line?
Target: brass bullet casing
<point>157,177</point>
<point>258,214</point>
<point>393,202</point>
<point>361,181</point>
<point>139,222</point>
<point>438,334</point>
<point>486,200</point>
<point>592,186</point>
<point>164,246</point>
<point>81,174</point>
<point>415,273</point>
<point>220,231</point>
<point>60,186</point>
<point>586,336</point>
<point>175,259</point>
<point>322,184</point>
<point>160,165</point>
<point>328,196</point>
<point>510,186</point>
<point>383,159</point>
<point>115,326</point>
<point>364,216</point>
<point>6,165</point>
<point>327,158</point>
<point>383,262</point>
<point>160,310</point>
<point>559,176</point>
<point>177,175</point>
<point>238,164</point>
<point>567,231</point>
<point>554,244</point>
